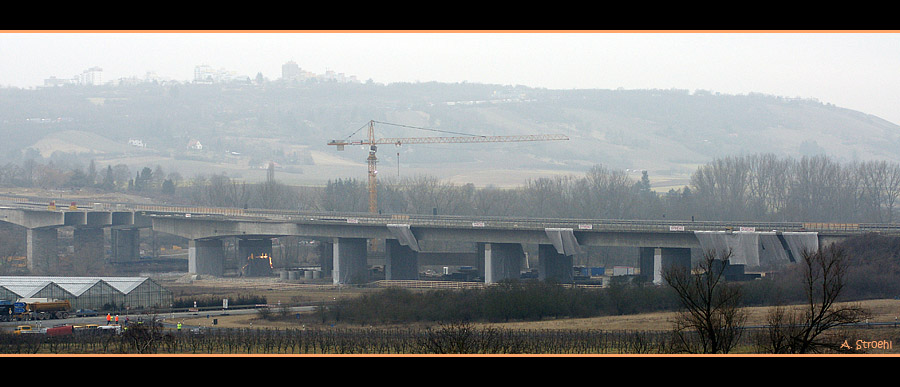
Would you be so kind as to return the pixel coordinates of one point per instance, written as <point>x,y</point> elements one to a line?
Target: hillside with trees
<point>243,127</point>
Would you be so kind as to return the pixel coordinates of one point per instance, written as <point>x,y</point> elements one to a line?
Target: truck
<point>60,330</point>
<point>26,309</point>
<point>6,310</point>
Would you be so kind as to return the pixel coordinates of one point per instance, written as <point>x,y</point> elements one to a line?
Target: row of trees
<point>761,187</point>
<point>600,193</point>
<point>815,188</point>
<point>71,175</point>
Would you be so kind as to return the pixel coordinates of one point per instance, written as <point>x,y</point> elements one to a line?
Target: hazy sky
<point>855,70</point>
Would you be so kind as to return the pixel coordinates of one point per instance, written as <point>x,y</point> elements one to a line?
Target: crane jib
<point>372,159</point>
<point>470,139</point>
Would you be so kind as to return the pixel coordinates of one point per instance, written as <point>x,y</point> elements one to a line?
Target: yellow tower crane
<point>373,143</point>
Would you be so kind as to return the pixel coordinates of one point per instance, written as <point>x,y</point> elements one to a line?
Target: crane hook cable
<point>355,132</point>
<point>432,130</point>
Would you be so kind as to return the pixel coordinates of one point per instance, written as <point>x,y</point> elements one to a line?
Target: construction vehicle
<point>373,142</point>
<point>22,329</point>
<point>18,262</point>
<point>27,309</point>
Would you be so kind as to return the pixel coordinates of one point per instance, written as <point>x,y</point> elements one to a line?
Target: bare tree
<point>421,193</point>
<point>804,329</point>
<point>893,190</point>
<point>768,185</point>
<point>613,190</point>
<point>723,185</point>
<point>345,195</point>
<point>223,191</point>
<point>711,320</point>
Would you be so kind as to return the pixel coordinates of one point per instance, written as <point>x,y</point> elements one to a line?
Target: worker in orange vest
<point>108,317</point>
<point>117,319</point>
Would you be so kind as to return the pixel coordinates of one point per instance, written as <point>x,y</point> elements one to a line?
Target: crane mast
<point>373,193</point>
<point>373,143</point>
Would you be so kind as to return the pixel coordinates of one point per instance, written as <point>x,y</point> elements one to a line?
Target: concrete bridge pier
<point>654,260</point>
<point>88,244</point>
<point>553,265</point>
<point>501,261</point>
<point>649,263</point>
<point>350,261</point>
<point>125,244</point>
<point>326,257</point>
<point>555,260</point>
<point>41,249</point>
<point>400,262</point>
<point>206,256</point>
<point>401,254</point>
<point>674,257</point>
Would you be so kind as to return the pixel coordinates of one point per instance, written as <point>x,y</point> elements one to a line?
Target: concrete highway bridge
<point>345,237</point>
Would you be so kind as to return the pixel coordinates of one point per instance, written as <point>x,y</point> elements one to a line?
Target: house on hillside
<point>137,143</point>
<point>195,145</point>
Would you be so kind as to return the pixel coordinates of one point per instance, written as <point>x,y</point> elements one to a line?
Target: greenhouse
<point>98,293</point>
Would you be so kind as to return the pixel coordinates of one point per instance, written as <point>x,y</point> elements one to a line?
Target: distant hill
<point>243,127</point>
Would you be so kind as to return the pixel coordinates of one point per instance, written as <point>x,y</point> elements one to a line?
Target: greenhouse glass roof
<point>26,286</point>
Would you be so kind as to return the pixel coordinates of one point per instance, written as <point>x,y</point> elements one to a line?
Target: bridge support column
<point>400,262</point>
<point>89,246</point>
<point>350,261</point>
<point>501,261</point>
<point>553,265</point>
<point>126,244</point>
<point>654,260</point>
<point>677,257</point>
<point>41,249</point>
<point>326,257</point>
<point>650,263</point>
<point>206,256</point>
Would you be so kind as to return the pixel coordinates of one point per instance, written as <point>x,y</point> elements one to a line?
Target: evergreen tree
<point>109,181</point>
